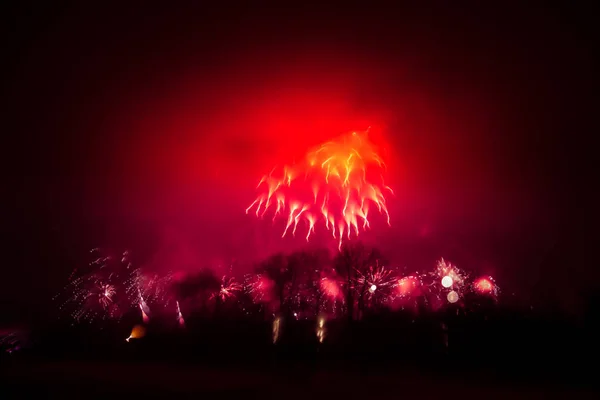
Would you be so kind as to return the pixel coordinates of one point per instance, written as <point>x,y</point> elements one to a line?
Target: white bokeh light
<point>373,288</point>
<point>452,297</point>
<point>447,281</point>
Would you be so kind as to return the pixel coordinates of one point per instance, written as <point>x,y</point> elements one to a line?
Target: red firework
<point>408,286</point>
<point>486,286</point>
<point>336,184</point>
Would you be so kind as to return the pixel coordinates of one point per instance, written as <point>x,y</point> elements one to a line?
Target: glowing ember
<point>336,183</point>
<point>373,288</point>
<point>447,281</point>
<point>275,329</point>
<point>321,330</point>
<point>137,332</point>
<point>180,316</point>
<point>452,297</point>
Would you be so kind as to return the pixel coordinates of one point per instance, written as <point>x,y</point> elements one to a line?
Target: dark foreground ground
<point>91,380</point>
<point>485,358</point>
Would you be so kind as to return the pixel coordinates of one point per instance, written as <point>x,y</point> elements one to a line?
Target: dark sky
<point>147,127</point>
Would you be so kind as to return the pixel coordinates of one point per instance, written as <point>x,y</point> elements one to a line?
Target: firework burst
<point>451,279</point>
<point>375,278</point>
<point>408,291</point>
<point>229,289</point>
<point>109,288</point>
<point>145,291</point>
<point>449,274</point>
<point>378,282</point>
<point>330,287</point>
<point>486,286</point>
<point>91,297</point>
<point>106,294</point>
<point>409,286</point>
<point>336,184</point>
<point>259,287</point>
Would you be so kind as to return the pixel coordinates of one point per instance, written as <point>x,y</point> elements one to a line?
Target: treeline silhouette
<point>477,334</point>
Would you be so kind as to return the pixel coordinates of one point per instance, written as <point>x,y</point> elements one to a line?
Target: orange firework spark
<point>337,183</point>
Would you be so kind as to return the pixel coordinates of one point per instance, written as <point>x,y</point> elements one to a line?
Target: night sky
<point>148,128</point>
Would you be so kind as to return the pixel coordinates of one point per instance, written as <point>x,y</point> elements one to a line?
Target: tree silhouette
<point>305,268</point>
<point>276,269</point>
<point>294,276</point>
<point>199,288</point>
<point>352,259</point>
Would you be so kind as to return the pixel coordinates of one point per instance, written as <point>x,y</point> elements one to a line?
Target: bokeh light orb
<point>452,297</point>
<point>373,288</point>
<point>447,281</point>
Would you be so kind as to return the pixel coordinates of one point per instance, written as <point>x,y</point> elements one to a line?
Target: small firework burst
<point>450,275</point>
<point>106,294</point>
<point>229,289</point>
<point>108,288</point>
<point>91,297</point>
<point>408,291</point>
<point>409,286</point>
<point>486,286</point>
<point>329,294</point>
<point>377,281</point>
<point>145,291</point>
<point>330,287</point>
<point>259,287</point>
<point>451,279</point>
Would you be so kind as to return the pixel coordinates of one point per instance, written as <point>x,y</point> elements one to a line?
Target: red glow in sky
<point>156,139</point>
<point>194,154</point>
<point>181,155</point>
